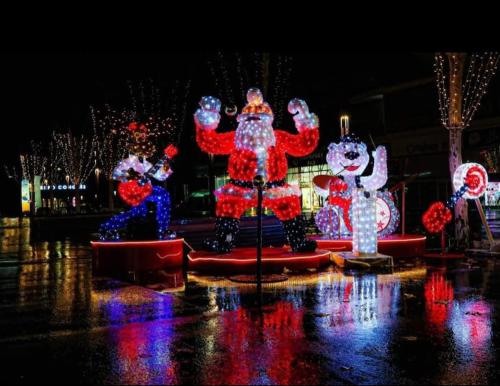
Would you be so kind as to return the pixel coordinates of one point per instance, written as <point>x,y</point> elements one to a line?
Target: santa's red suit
<point>255,148</point>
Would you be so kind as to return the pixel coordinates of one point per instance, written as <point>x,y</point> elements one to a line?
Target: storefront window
<point>311,202</point>
<point>221,180</point>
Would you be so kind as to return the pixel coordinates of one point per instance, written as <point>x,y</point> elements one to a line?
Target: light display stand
<point>350,260</point>
<point>364,239</point>
<point>486,225</point>
<point>469,181</point>
<point>257,169</point>
<point>398,245</point>
<point>138,239</point>
<point>475,177</point>
<point>112,257</point>
<point>355,196</point>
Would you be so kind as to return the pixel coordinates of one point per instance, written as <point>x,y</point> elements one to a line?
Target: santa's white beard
<point>256,136</point>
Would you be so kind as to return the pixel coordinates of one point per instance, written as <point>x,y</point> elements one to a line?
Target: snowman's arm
<point>379,176</point>
<point>298,145</point>
<point>212,142</point>
<point>321,185</point>
<point>321,191</point>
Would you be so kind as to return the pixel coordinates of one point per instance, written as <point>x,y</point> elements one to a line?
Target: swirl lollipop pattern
<point>470,181</point>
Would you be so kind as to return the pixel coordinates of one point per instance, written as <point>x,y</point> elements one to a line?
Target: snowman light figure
<point>353,201</point>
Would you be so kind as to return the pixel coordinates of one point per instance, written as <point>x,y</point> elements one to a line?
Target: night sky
<point>45,91</point>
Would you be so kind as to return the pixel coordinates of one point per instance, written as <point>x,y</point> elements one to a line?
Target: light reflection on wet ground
<point>417,325</point>
<point>17,245</point>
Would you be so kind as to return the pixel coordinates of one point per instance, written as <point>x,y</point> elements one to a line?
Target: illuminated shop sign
<point>62,187</point>
<point>25,196</point>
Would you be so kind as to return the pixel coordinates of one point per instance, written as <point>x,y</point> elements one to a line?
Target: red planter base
<point>125,256</point>
<point>394,245</point>
<point>244,260</point>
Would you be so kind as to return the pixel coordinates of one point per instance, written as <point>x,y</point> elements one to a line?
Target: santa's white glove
<point>207,116</point>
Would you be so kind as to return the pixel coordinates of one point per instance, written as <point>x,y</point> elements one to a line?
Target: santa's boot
<point>226,231</point>
<point>296,234</point>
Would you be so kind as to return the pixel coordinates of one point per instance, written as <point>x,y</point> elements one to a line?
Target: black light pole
<point>211,184</point>
<point>259,184</point>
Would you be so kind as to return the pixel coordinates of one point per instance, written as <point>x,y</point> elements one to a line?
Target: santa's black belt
<point>249,184</point>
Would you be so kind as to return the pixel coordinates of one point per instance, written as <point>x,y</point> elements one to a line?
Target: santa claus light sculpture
<point>255,148</point>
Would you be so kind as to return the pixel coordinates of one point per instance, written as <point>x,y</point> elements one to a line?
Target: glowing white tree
<point>13,172</point>
<point>460,93</point>
<point>53,170</point>
<point>77,158</point>
<point>110,143</point>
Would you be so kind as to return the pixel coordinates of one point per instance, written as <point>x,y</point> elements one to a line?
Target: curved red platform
<point>124,256</point>
<point>244,260</point>
<point>394,245</point>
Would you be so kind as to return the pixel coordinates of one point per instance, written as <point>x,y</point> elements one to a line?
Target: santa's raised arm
<point>207,119</point>
<point>307,124</point>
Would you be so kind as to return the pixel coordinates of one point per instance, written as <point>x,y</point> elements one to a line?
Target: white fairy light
<point>478,75</point>
<point>364,223</point>
<point>78,157</point>
<point>33,162</point>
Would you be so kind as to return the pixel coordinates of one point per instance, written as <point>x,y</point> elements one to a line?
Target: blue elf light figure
<point>136,176</point>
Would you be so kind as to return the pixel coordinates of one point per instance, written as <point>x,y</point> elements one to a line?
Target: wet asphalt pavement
<point>419,324</point>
